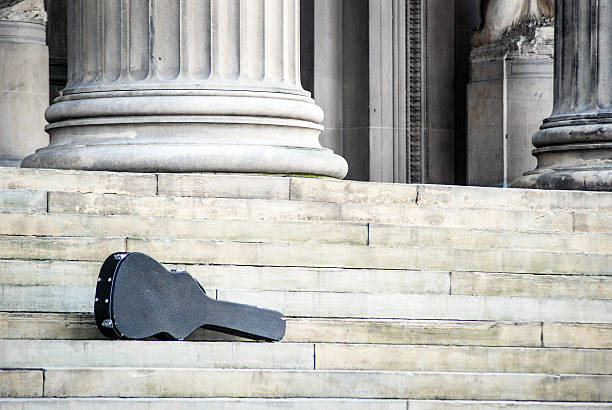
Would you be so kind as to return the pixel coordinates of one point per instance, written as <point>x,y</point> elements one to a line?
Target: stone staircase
<point>396,296</point>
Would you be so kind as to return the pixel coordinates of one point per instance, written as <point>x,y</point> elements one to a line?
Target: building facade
<point>409,92</point>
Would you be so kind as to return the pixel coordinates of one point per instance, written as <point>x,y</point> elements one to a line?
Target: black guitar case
<point>136,298</point>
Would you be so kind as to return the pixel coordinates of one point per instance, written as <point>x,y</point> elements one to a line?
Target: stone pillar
<point>510,91</point>
<point>574,145</point>
<point>185,86</point>
<point>24,83</point>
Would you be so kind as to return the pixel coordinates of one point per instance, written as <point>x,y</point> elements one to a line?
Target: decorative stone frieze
<point>185,86</point>
<point>574,145</point>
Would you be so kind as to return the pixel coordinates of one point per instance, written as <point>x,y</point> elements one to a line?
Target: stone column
<point>24,83</point>
<point>185,86</point>
<point>574,145</point>
<point>510,91</point>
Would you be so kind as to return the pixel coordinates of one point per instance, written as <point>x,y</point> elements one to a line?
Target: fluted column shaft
<point>574,145</point>
<point>184,86</point>
<point>24,79</point>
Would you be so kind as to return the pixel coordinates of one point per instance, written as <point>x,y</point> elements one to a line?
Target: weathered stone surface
<point>241,209</point>
<point>77,181</point>
<point>430,332</point>
<point>327,190</point>
<point>76,326</point>
<point>48,272</point>
<point>42,326</point>
<point>13,200</point>
<point>211,208</point>
<point>560,221</point>
<point>294,404</point>
<point>181,228</point>
<point>593,222</point>
<point>345,305</point>
<point>200,98</point>
<point>211,404</point>
<point>223,186</point>
<point>507,98</point>
<point>500,15</point>
<point>505,284</point>
<point>21,383</point>
<point>371,257</point>
<point>47,298</point>
<point>64,248</point>
<point>137,382</point>
<point>481,197</point>
<point>578,335</point>
<point>106,353</point>
<point>75,273</point>
<point>332,356</point>
<point>32,11</point>
<point>573,147</point>
<point>501,405</point>
<point>320,279</point>
<point>304,189</point>
<point>24,83</point>
<point>449,307</point>
<point>405,235</point>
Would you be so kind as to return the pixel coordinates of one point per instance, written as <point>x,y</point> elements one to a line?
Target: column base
<point>192,158</point>
<point>576,157</point>
<point>567,180</point>
<point>244,132</point>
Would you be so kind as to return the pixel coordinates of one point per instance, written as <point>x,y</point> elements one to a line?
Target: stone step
<point>290,210</point>
<point>331,356</point>
<point>372,257</point>
<point>443,307</point>
<point>20,325</point>
<point>546,286</point>
<point>12,200</point>
<point>297,231</point>
<point>330,190</point>
<point>59,248</point>
<point>212,277</point>
<point>302,189</point>
<point>425,236</point>
<point>21,383</point>
<point>24,354</point>
<point>293,404</point>
<point>191,251</point>
<point>182,228</point>
<point>78,181</point>
<point>345,305</point>
<point>148,382</point>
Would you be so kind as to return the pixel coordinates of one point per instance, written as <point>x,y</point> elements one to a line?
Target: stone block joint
<point>185,86</point>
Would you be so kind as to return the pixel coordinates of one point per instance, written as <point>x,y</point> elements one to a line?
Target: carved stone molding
<point>417,99</point>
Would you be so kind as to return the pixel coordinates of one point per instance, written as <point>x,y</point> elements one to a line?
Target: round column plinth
<point>187,131</point>
<point>573,153</point>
